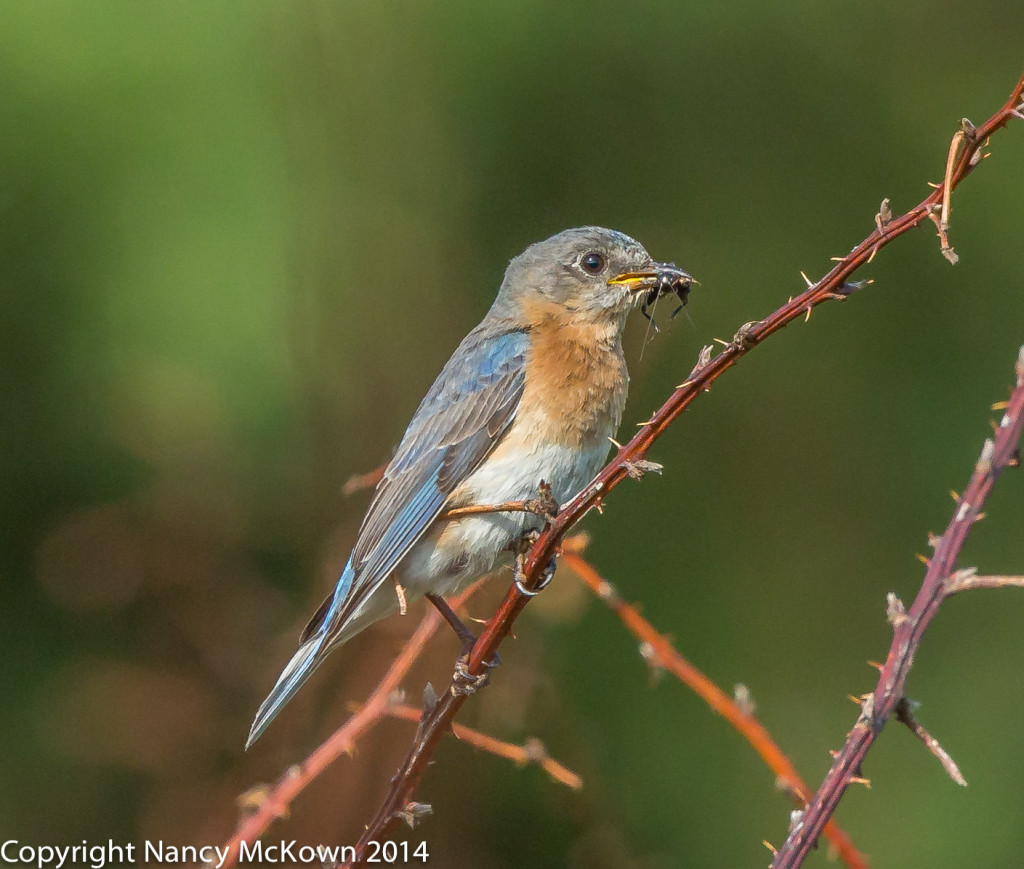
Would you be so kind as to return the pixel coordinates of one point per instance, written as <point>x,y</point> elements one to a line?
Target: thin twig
<point>532,751</point>
<point>968,580</point>
<point>908,628</point>
<point>738,714</point>
<point>905,715</point>
<point>835,285</point>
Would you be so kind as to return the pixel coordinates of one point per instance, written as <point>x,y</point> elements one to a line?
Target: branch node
<point>465,683</point>
<point>796,820</point>
<point>744,700</point>
<point>414,812</point>
<point>847,288</point>
<point>636,468</point>
<point>742,340</point>
<point>867,711</point>
<point>650,656</point>
<point>534,751</point>
<point>895,612</point>
<point>883,217</point>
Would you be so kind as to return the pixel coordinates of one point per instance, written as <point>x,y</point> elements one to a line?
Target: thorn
<point>933,185</point>
<point>807,316</point>
<point>807,280</point>
<point>837,259</point>
<point>615,443</point>
<point>1000,405</point>
<point>924,559</point>
<point>400,591</point>
<point>955,495</point>
<point>934,540</point>
<point>860,780</point>
<point>253,799</point>
<point>720,341</point>
<point>833,753</point>
<point>855,700</point>
<point>874,250</point>
<point>770,847</point>
<point>876,665</point>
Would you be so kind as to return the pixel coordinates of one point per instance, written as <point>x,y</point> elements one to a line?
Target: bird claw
<point>465,683</point>
<point>543,583</point>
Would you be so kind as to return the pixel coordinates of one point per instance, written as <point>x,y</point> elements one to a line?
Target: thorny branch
<point>940,582</point>
<point>532,751</point>
<point>738,710</point>
<point>399,804</point>
<point>262,805</point>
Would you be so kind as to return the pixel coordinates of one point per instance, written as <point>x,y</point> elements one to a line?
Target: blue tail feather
<point>303,663</point>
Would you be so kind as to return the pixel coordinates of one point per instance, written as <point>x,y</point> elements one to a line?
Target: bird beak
<point>662,279</point>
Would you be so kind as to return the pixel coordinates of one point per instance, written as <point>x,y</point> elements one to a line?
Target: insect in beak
<point>662,279</point>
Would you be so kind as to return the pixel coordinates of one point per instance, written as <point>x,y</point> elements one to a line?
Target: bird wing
<point>460,420</point>
<point>458,423</point>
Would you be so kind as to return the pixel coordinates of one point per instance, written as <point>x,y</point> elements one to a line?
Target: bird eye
<point>592,263</point>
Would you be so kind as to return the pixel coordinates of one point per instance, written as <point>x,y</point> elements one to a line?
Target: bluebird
<point>534,393</point>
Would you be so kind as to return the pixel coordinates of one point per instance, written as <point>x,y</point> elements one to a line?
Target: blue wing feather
<point>457,424</point>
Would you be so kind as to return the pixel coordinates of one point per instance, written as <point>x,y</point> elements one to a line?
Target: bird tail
<point>311,653</point>
<point>302,665</point>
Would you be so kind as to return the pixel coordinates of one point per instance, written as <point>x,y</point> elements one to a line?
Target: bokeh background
<point>238,241</point>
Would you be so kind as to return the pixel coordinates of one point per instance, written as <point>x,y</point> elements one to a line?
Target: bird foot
<point>465,683</point>
<point>518,571</point>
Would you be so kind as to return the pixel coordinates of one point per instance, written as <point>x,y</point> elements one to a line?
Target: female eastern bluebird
<point>533,393</point>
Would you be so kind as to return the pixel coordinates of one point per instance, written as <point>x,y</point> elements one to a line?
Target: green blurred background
<point>238,241</point>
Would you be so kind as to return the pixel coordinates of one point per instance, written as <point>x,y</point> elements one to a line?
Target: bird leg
<point>467,637</point>
<point>544,506</point>
<point>463,682</point>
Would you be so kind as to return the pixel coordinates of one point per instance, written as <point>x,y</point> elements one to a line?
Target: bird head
<point>589,274</point>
